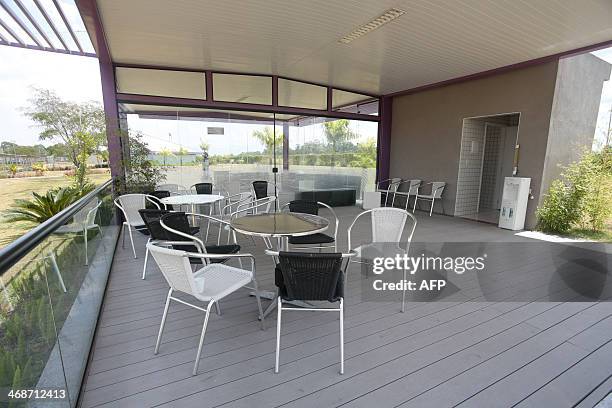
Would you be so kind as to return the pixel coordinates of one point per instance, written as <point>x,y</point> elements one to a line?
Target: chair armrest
<point>214,219</point>
<point>349,254</point>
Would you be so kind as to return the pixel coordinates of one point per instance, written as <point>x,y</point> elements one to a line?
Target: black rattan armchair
<point>260,189</point>
<point>318,240</point>
<point>302,276</point>
<point>203,188</point>
<point>177,228</point>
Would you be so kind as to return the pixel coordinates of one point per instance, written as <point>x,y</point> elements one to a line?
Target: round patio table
<point>193,200</point>
<point>281,226</point>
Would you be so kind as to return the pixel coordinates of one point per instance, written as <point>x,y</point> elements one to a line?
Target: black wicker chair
<point>177,228</point>
<point>302,276</point>
<point>312,241</point>
<point>159,194</point>
<point>203,188</point>
<point>260,189</point>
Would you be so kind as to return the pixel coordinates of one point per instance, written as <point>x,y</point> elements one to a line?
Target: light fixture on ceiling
<point>372,25</point>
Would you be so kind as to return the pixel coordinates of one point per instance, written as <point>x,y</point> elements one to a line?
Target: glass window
<point>157,82</point>
<point>301,95</point>
<point>242,88</point>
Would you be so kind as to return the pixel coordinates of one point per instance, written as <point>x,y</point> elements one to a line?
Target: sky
<point>78,79</point>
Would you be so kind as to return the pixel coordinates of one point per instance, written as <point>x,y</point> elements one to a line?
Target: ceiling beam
<point>21,24</point>
<point>65,20</point>
<point>238,106</point>
<point>50,22</point>
<point>33,21</point>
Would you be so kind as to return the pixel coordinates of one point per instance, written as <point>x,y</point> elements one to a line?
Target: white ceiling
<point>433,41</point>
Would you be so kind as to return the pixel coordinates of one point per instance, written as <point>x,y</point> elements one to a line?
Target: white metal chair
<point>413,190</point>
<point>388,226</point>
<point>83,221</point>
<point>392,185</point>
<point>313,241</point>
<point>209,284</point>
<point>302,276</point>
<point>129,204</point>
<point>437,188</point>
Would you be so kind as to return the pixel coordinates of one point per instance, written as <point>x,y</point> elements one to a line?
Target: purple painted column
<point>385,107</point>
<point>91,18</point>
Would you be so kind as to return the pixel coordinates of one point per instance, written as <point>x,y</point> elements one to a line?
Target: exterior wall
<point>574,112</point>
<point>426,127</point>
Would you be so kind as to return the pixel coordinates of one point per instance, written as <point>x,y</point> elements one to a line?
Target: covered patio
<point>432,85</point>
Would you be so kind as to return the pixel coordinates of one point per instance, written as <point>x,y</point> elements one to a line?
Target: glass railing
<point>52,284</point>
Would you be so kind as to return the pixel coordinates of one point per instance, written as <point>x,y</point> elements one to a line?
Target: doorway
<point>488,146</point>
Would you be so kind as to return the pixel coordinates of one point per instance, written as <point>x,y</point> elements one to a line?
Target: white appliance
<point>514,203</point>
<point>371,199</point>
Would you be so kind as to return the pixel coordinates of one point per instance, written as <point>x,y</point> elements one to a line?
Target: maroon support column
<point>385,107</point>
<point>91,18</point>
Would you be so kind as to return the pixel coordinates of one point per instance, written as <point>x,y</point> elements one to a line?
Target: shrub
<point>39,168</point>
<point>582,197</point>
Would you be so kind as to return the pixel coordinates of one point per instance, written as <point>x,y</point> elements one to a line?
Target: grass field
<point>15,188</point>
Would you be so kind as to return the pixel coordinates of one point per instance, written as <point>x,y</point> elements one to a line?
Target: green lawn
<point>15,188</point>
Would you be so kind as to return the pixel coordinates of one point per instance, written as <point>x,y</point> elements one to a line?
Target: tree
<point>204,145</point>
<point>142,175</point>
<point>268,139</point>
<point>337,133</point>
<point>165,153</point>
<point>180,153</point>
<point>80,126</point>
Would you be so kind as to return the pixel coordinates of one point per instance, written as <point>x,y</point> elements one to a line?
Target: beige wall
<point>426,128</point>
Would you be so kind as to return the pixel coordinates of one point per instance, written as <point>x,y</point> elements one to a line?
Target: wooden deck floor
<point>444,354</point>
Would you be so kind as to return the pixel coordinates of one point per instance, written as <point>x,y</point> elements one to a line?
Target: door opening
<point>488,146</point>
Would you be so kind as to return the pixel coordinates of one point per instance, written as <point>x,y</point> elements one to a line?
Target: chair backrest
<point>310,276</point>
<point>151,218</point>
<point>437,188</point>
<point>260,189</point>
<point>304,207</point>
<point>387,225</point>
<point>261,206</point>
<point>414,186</point>
<point>130,204</point>
<point>394,184</point>
<point>175,267</point>
<point>203,188</point>
<point>87,215</point>
<point>176,226</point>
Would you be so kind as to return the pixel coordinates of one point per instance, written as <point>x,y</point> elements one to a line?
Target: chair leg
<point>85,234</point>
<point>431,208</point>
<point>132,241</point>
<point>199,353</point>
<point>123,235</point>
<point>259,308</point>
<point>57,272</point>
<point>218,309</point>
<point>415,203</point>
<point>341,336</point>
<point>404,294</point>
<point>163,322</point>
<point>279,307</point>
<point>144,268</point>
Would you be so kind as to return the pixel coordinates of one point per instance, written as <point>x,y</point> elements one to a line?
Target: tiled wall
<point>472,166</point>
<point>490,166</point>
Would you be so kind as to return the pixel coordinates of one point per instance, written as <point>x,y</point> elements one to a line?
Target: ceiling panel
<point>433,41</point>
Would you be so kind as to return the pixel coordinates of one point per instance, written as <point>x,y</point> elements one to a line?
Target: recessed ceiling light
<point>372,25</point>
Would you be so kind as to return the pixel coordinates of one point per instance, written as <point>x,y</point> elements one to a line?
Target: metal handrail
<point>13,252</point>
